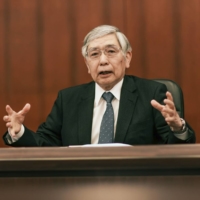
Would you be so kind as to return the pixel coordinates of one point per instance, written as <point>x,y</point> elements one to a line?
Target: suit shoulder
<point>77,88</point>
<point>76,93</point>
<point>147,83</point>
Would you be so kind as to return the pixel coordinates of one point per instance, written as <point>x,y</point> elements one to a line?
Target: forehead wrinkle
<point>110,39</point>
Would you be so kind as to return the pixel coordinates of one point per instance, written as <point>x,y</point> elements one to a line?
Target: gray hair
<point>103,30</point>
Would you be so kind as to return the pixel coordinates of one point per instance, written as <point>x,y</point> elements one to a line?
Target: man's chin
<point>106,85</point>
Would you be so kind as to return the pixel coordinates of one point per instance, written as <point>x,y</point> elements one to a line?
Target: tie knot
<point>108,96</point>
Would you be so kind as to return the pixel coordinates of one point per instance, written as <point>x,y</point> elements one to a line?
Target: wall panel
<point>55,39</point>
<point>2,48</point>
<point>190,59</point>
<point>2,63</point>
<point>159,39</point>
<point>135,20</point>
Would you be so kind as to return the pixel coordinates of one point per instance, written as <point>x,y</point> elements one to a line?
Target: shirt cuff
<point>182,136</point>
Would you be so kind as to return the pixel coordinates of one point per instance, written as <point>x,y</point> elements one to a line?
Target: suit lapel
<point>128,101</point>
<point>86,114</point>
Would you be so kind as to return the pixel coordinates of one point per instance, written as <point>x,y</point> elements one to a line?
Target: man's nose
<point>103,59</point>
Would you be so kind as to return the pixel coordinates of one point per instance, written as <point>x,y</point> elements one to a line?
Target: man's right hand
<point>14,120</point>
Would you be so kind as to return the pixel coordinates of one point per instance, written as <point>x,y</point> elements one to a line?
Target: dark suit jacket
<point>70,120</point>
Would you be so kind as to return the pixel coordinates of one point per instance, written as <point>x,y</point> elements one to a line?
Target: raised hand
<point>169,112</point>
<point>14,120</point>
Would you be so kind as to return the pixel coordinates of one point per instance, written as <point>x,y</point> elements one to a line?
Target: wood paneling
<point>40,48</point>
<point>189,52</point>
<point>159,39</point>
<point>3,85</point>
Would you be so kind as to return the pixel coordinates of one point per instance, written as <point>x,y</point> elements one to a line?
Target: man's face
<point>107,71</point>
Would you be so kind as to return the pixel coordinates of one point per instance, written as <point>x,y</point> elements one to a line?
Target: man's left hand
<point>169,112</point>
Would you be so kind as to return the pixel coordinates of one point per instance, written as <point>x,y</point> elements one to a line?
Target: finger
<point>168,111</point>
<point>6,118</point>
<point>8,125</point>
<point>169,96</point>
<point>9,110</point>
<point>156,105</point>
<point>25,109</point>
<point>169,104</point>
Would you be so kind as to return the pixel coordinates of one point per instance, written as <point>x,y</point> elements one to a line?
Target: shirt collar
<point>116,91</point>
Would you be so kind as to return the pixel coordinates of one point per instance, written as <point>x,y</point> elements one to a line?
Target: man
<point>138,111</point>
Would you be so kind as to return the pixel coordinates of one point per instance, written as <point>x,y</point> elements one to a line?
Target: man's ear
<point>128,57</point>
<point>87,65</point>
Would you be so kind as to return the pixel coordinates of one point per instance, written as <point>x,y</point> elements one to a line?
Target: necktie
<point>107,124</point>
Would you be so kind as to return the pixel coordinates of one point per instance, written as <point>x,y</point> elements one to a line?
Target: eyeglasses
<point>109,51</point>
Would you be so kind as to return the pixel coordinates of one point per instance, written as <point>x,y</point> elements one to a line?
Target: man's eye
<point>111,51</point>
<point>94,54</point>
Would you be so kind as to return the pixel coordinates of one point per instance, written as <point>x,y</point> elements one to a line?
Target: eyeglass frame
<point>103,51</point>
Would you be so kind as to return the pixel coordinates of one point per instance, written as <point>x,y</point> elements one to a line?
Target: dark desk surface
<point>94,173</point>
<point>101,158</point>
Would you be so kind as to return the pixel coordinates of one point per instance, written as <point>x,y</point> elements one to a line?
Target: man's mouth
<point>105,72</point>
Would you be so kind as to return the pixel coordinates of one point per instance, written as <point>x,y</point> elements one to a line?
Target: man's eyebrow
<point>93,48</point>
<point>108,45</point>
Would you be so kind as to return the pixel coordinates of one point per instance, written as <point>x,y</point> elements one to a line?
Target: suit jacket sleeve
<point>164,133</point>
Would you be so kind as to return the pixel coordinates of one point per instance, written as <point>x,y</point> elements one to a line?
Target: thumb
<point>11,132</point>
<point>25,109</point>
